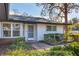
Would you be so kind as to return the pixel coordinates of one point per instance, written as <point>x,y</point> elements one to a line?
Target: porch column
<point>0,30</point>
<point>21,30</point>
<point>11,29</point>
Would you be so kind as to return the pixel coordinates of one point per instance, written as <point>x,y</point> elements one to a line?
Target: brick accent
<point>6,41</point>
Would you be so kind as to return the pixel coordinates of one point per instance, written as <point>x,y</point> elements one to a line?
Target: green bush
<point>59,51</point>
<point>75,48</point>
<point>54,51</point>
<point>20,43</point>
<point>16,52</point>
<point>49,38</point>
<point>38,53</point>
<point>21,52</point>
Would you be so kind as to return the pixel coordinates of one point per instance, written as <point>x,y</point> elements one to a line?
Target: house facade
<point>31,28</point>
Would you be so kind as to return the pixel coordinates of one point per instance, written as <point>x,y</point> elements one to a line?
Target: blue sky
<point>29,8</point>
<point>32,9</point>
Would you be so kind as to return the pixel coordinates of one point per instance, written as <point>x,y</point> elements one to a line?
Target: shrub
<point>75,48</point>
<point>53,38</point>
<point>16,52</point>
<point>59,51</point>
<point>39,53</point>
<point>20,43</point>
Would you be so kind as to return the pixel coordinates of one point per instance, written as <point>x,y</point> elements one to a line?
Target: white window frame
<point>51,26</point>
<point>3,30</point>
<point>19,30</point>
<point>11,23</point>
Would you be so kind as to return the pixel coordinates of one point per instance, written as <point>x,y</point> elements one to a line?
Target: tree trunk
<point>66,19</point>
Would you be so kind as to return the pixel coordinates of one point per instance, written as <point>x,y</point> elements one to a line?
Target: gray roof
<point>30,19</point>
<point>27,19</point>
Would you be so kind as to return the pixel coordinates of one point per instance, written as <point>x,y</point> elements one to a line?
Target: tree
<point>25,14</point>
<point>59,9</point>
<point>16,11</point>
<point>74,20</point>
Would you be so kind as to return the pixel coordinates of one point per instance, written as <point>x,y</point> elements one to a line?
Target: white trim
<point>11,30</point>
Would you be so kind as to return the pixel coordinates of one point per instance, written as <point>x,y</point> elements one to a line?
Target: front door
<point>31,32</point>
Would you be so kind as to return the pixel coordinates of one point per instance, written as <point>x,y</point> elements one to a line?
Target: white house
<point>31,28</point>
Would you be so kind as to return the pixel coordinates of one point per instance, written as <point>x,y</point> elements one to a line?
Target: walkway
<point>40,45</point>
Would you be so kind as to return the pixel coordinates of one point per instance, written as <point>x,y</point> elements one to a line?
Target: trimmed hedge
<point>49,38</point>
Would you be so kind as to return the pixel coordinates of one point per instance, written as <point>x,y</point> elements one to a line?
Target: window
<point>9,31</point>
<point>6,30</point>
<point>51,28</point>
<point>16,29</point>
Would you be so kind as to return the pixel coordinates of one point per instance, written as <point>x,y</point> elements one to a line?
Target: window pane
<point>6,30</point>
<point>30,28</point>
<point>48,28</point>
<point>16,33</point>
<point>30,35</point>
<point>16,29</point>
<point>16,26</point>
<point>6,26</point>
<point>6,33</point>
<point>53,28</point>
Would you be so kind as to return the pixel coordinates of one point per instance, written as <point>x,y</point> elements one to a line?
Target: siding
<point>41,29</point>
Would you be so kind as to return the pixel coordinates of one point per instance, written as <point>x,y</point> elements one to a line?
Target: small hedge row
<point>53,38</point>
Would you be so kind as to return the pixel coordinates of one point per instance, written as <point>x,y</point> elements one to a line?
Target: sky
<point>32,9</point>
<point>29,8</point>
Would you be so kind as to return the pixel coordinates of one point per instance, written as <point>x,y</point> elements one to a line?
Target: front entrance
<point>31,34</point>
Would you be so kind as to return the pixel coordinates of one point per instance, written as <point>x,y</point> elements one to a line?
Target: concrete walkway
<point>40,45</point>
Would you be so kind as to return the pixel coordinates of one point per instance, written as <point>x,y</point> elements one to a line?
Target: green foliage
<point>71,34</point>
<point>20,43</point>
<point>22,49</point>
<point>53,38</point>
<point>75,47</point>
<point>39,53</point>
<point>59,51</point>
<point>16,52</point>
<point>70,50</point>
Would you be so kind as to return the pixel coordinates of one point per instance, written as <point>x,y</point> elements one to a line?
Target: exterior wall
<point>41,30</point>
